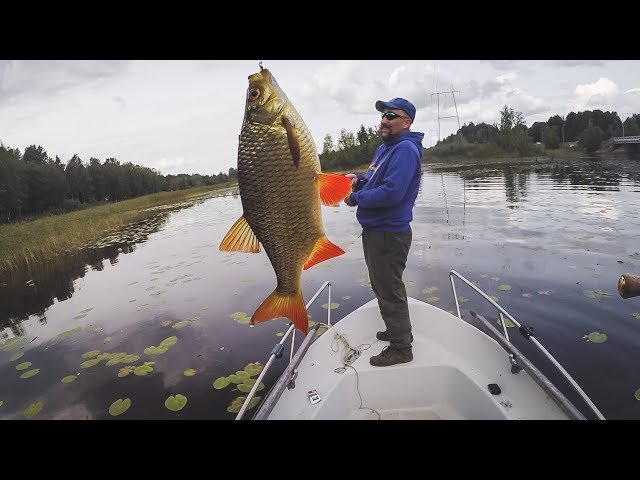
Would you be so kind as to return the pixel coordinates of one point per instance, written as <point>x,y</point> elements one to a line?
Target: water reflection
<point>550,232</point>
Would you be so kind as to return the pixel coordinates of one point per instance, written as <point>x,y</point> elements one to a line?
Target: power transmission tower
<point>452,92</point>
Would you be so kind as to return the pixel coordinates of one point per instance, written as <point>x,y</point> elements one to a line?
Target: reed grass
<point>31,242</point>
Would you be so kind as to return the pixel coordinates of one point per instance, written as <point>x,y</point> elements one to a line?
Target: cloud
<point>46,78</point>
<point>173,166</point>
<point>576,63</point>
<point>599,94</point>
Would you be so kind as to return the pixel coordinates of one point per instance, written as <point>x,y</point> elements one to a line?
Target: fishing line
<point>446,205</point>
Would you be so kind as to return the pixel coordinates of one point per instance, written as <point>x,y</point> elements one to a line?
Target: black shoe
<point>390,356</point>
<point>384,336</point>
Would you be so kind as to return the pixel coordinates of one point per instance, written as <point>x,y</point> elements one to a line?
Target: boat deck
<point>453,364</point>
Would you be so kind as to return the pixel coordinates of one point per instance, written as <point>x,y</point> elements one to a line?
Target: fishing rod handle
<point>629,285</point>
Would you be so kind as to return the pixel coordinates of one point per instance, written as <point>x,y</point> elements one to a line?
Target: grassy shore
<point>30,242</point>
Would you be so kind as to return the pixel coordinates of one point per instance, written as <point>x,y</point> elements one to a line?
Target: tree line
<point>33,184</point>
<point>588,129</point>
<point>511,136</point>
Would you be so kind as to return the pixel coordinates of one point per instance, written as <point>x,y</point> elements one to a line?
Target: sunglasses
<point>391,115</point>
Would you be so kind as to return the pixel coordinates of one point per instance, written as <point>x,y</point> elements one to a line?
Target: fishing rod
<point>629,285</point>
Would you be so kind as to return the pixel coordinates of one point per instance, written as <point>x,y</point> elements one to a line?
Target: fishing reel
<point>360,182</point>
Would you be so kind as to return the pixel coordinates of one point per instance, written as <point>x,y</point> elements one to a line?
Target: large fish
<point>281,188</point>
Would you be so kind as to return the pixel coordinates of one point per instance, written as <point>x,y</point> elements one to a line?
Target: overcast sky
<point>184,116</point>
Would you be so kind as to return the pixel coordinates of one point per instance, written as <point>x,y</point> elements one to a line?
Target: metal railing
<point>290,372</point>
<point>518,360</point>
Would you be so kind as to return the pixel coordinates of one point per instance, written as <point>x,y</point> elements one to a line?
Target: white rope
<point>348,349</point>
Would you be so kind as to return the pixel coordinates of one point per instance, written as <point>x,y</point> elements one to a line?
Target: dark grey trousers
<point>386,256</point>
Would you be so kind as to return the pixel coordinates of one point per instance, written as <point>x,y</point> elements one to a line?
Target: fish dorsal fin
<point>333,187</point>
<point>323,250</point>
<point>240,238</point>
<point>292,138</point>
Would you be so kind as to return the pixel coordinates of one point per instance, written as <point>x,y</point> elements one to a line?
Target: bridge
<point>621,140</point>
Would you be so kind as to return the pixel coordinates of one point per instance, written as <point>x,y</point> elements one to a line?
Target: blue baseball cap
<point>398,103</point>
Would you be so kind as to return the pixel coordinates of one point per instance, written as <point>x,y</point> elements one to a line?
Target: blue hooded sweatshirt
<point>386,201</point>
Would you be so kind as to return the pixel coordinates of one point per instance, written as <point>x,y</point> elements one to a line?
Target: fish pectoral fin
<point>333,187</point>
<point>322,250</point>
<point>240,238</point>
<point>277,305</point>
<point>292,138</point>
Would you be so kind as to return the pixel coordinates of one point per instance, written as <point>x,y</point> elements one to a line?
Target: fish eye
<point>254,93</point>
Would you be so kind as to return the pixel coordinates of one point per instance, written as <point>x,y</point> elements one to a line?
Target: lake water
<point>156,311</point>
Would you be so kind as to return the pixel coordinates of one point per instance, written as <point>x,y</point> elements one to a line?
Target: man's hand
<point>347,200</point>
<point>353,177</point>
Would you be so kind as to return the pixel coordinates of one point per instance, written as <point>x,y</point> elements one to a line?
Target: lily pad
<point>636,394</point>
<point>1,403</point>
<point>334,305</point>
<point>432,299</point>
<point>169,341</point>
<point>507,322</point>
<point>180,324</point>
<point>119,406</point>
<point>142,370</point>
<point>248,385</point>
<point>130,358</point>
<point>124,371</point>
<point>30,373</point>
<point>236,404</point>
<point>90,363</point>
<point>23,366</point>
<point>239,377</point>
<point>153,350</point>
<point>13,342</point>
<point>91,354</point>
<point>430,290</point>
<point>69,378</point>
<point>68,333</point>
<point>253,368</point>
<point>596,293</point>
<point>189,372</point>
<point>175,403</point>
<point>504,288</point>
<point>16,356</point>
<point>597,337</point>
<point>33,409</point>
<point>221,382</point>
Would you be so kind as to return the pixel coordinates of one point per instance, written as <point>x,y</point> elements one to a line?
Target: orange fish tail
<point>277,305</point>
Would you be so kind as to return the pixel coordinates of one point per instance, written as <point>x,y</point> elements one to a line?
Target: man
<point>385,196</point>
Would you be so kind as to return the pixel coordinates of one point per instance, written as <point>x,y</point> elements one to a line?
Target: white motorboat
<point>458,372</point>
